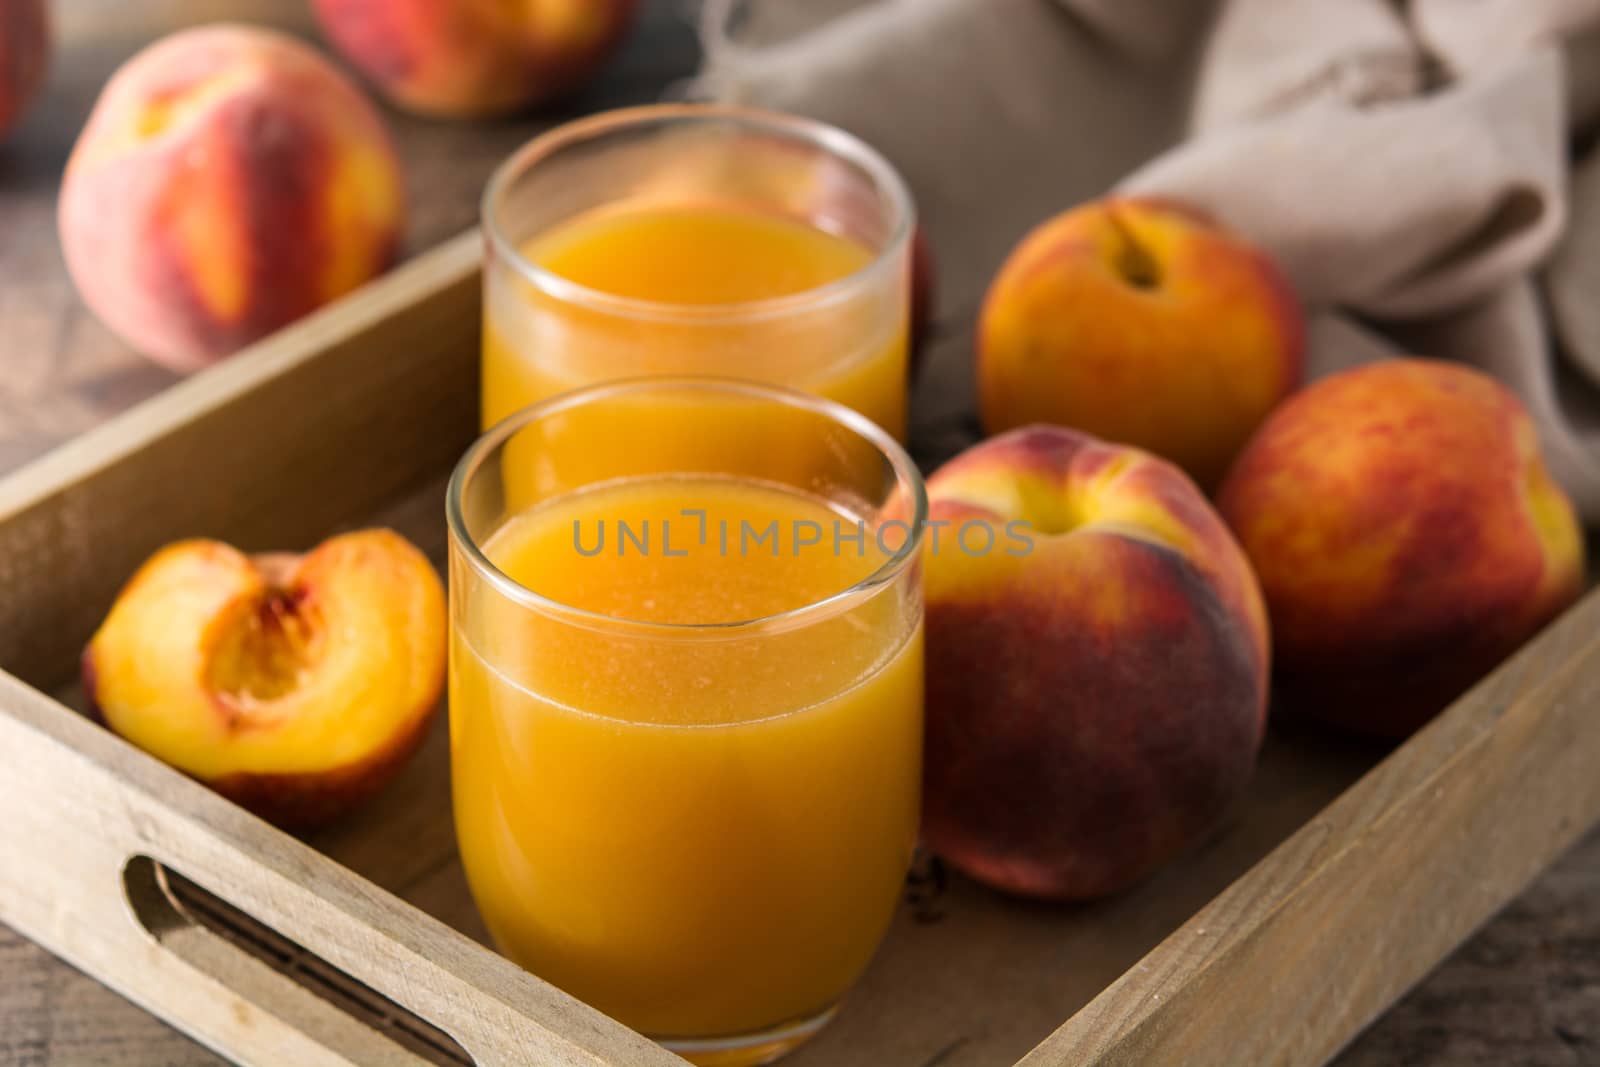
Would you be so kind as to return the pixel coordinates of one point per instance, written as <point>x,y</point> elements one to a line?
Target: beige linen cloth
<point>1421,169</point>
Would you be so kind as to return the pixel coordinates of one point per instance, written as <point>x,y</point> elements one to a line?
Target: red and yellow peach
<point>1407,537</point>
<point>1142,322</point>
<point>475,57</point>
<point>1095,701</point>
<point>228,181</point>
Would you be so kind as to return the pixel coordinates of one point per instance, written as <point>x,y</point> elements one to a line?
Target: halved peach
<point>296,685</point>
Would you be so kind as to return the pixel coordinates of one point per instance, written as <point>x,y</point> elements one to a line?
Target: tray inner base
<point>966,978</point>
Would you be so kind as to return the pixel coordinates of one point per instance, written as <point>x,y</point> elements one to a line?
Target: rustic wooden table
<point>1525,991</point>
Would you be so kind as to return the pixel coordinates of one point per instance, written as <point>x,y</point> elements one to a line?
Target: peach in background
<point>229,180</point>
<point>24,56</point>
<point>475,57</point>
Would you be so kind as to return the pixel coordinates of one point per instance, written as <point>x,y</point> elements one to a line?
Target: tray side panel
<point>98,803</point>
<point>243,452</point>
<point>1318,939</point>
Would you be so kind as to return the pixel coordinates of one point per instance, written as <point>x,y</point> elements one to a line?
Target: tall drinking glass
<point>686,702</point>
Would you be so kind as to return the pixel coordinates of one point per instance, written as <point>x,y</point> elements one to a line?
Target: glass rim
<point>907,476</point>
<point>827,138</point>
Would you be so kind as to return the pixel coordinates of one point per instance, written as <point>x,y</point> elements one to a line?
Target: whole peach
<point>1097,664</point>
<point>229,180</point>
<point>1407,537</point>
<point>24,56</point>
<point>475,57</point>
<point>924,288</point>
<point>1142,322</point>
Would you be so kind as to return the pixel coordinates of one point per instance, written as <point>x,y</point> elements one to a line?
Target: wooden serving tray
<point>1345,876</point>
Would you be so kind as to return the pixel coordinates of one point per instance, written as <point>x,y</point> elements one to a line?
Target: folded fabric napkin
<point>1419,168</point>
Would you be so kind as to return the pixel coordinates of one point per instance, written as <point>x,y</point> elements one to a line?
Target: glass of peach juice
<point>698,240</point>
<point>686,701</point>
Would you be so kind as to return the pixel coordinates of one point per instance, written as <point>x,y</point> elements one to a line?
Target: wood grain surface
<point>1524,993</point>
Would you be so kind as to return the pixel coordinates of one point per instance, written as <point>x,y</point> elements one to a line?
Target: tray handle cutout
<point>278,976</point>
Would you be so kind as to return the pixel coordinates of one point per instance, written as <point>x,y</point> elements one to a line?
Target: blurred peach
<point>924,290</point>
<point>24,56</point>
<point>475,57</point>
<point>229,180</point>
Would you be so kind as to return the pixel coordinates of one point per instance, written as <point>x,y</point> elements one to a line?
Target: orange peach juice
<point>696,288</point>
<point>701,829</point>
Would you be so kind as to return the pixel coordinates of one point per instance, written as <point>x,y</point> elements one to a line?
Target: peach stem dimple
<point>1134,262</point>
<point>1050,512</point>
